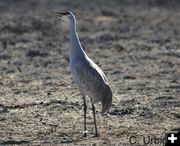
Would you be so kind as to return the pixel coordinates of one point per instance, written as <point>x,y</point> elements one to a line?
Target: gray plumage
<point>89,78</point>
<point>91,82</point>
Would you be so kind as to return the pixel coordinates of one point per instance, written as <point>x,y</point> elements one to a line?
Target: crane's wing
<point>91,80</point>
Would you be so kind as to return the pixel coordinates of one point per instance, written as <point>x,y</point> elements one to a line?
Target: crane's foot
<point>84,135</point>
<point>96,135</point>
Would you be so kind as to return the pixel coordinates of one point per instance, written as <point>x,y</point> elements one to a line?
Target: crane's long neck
<point>76,49</point>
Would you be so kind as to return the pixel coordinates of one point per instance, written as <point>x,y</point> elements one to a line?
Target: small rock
<point>4,56</point>
<point>36,53</point>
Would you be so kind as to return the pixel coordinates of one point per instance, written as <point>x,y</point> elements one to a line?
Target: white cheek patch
<point>69,21</point>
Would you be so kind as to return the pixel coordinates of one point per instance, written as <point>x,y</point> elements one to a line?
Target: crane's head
<point>66,16</point>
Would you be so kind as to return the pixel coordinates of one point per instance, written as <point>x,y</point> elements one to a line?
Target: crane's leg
<point>94,115</point>
<point>85,109</point>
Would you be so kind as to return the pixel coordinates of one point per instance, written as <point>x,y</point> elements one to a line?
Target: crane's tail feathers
<point>107,101</point>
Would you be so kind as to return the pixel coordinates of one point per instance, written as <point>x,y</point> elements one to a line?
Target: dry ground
<point>136,43</point>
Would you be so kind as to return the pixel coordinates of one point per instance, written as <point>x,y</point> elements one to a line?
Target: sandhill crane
<point>88,77</point>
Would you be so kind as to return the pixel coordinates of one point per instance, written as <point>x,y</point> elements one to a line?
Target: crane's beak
<point>59,14</point>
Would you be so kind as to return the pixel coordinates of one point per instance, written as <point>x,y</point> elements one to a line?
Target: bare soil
<point>136,43</point>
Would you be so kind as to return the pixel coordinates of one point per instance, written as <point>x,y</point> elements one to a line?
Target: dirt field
<point>137,45</point>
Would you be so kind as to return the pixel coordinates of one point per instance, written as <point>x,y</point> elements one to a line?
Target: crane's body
<point>88,77</point>
<point>90,80</point>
